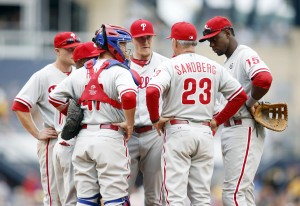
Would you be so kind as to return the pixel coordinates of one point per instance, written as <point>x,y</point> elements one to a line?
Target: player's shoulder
<point>79,71</point>
<point>45,71</point>
<point>114,69</point>
<point>166,62</point>
<point>159,56</point>
<point>246,51</point>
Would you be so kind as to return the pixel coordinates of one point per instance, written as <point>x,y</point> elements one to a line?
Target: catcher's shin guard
<point>92,201</point>
<point>124,201</point>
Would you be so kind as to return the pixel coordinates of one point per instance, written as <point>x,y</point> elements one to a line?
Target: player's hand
<point>159,126</point>
<point>252,109</point>
<point>128,129</point>
<point>214,126</point>
<point>47,133</point>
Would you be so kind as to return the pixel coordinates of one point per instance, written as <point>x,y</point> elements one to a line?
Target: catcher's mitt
<point>73,121</point>
<point>272,116</point>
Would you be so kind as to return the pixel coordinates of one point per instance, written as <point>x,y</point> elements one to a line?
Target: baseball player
<point>84,52</point>
<point>62,152</point>
<point>188,83</point>
<point>145,146</point>
<point>35,92</point>
<point>241,140</point>
<point>100,157</point>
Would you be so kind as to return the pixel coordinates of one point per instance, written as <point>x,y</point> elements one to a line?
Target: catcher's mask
<point>111,38</point>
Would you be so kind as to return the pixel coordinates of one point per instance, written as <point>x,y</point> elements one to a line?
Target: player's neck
<point>143,57</point>
<point>106,55</point>
<point>186,51</point>
<point>231,48</point>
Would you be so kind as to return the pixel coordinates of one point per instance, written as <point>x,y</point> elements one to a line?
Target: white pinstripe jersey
<point>116,81</point>
<point>244,64</point>
<point>37,89</point>
<point>189,83</point>
<point>146,72</point>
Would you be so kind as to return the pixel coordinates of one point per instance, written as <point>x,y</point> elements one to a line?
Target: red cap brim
<point>97,52</point>
<point>144,34</point>
<point>208,36</point>
<point>70,45</point>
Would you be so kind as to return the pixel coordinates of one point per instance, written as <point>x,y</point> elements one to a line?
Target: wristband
<point>250,102</point>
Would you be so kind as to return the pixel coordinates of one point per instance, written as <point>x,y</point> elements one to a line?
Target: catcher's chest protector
<point>94,91</point>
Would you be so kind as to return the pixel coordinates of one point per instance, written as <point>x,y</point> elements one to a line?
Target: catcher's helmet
<point>108,38</point>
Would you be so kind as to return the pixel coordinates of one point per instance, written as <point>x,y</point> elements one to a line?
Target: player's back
<point>114,81</point>
<point>192,88</point>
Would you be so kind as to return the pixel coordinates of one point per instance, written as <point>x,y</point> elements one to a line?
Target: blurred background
<point>271,27</point>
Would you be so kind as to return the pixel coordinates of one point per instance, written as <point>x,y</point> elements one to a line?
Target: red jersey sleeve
<point>231,108</point>
<point>152,101</point>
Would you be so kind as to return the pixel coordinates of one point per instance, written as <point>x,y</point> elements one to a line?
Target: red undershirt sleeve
<point>262,79</point>
<point>128,100</point>
<point>231,108</point>
<point>18,106</point>
<point>152,101</point>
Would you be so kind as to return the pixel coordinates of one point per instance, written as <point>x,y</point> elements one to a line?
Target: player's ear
<point>230,32</point>
<point>227,33</point>
<point>56,51</point>
<point>175,43</point>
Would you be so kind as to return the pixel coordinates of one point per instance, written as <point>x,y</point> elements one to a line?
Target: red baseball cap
<point>86,50</point>
<point>183,31</point>
<point>141,27</point>
<point>66,40</point>
<point>214,26</point>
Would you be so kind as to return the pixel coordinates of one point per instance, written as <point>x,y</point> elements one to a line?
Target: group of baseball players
<point>149,113</point>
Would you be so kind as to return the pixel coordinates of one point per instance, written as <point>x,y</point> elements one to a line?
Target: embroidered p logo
<point>143,25</point>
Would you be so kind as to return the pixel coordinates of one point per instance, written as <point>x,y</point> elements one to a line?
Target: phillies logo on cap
<point>143,25</point>
<point>73,35</point>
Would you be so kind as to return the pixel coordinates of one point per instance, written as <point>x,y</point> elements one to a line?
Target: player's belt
<point>232,122</point>
<point>103,126</point>
<point>177,121</point>
<point>143,129</point>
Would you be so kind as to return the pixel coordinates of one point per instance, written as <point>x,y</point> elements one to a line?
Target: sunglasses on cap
<point>71,41</point>
<point>209,30</point>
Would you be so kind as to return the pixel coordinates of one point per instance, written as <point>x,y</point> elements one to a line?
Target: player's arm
<point>60,106</point>
<point>157,85</point>
<point>261,84</point>
<point>129,104</point>
<point>152,102</point>
<point>24,115</point>
<point>59,97</point>
<point>230,109</point>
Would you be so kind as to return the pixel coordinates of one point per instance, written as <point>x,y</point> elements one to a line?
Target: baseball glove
<point>73,121</point>
<point>272,116</point>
